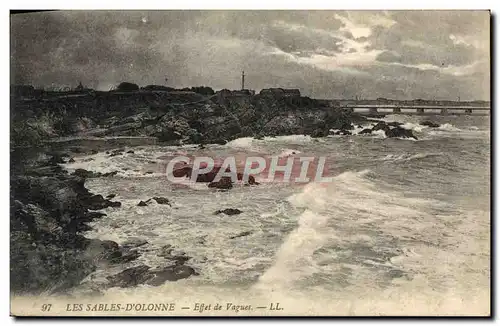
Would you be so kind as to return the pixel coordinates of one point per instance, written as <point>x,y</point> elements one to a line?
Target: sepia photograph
<point>246,163</point>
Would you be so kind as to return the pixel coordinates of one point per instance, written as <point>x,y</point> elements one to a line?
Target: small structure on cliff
<point>225,93</point>
<point>280,92</point>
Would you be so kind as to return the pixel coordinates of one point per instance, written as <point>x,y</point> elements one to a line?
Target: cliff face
<point>173,116</point>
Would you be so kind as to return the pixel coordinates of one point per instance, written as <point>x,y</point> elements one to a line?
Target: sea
<point>402,227</point>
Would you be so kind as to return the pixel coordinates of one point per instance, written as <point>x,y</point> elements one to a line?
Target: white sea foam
<point>244,142</point>
<point>289,152</point>
<point>323,249</point>
<point>404,157</point>
<point>448,127</point>
<point>350,213</point>
<point>291,139</point>
<point>413,126</point>
<point>379,133</point>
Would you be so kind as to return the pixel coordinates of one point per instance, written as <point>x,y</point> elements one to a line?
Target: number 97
<point>46,307</point>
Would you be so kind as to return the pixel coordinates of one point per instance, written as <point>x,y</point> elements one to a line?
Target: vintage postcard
<point>250,163</point>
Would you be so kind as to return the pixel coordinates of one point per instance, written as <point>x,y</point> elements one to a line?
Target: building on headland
<point>280,92</point>
<point>224,93</point>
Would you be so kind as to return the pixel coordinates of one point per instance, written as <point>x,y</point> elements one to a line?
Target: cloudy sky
<point>326,54</point>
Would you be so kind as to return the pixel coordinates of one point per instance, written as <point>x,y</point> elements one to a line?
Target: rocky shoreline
<point>49,208</point>
<point>186,118</point>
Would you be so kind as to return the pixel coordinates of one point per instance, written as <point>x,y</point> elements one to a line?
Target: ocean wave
<point>145,163</point>
<point>408,157</point>
<point>379,134</point>
<point>413,126</point>
<point>244,142</point>
<point>352,201</point>
<point>293,139</point>
<point>448,127</point>
<point>288,152</point>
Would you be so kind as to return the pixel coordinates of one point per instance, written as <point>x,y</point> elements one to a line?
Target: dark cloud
<point>371,54</point>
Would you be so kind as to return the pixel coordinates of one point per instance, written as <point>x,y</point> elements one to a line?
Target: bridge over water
<point>381,110</point>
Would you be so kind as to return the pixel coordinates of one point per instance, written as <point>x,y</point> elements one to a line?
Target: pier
<point>381,110</point>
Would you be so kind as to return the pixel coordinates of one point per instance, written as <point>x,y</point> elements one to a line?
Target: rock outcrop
<point>49,209</point>
<point>228,211</point>
<point>391,130</point>
<point>430,124</point>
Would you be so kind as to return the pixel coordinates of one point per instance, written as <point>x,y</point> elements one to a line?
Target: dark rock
<point>110,196</point>
<point>219,141</point>
<point>96,247</point>
<point>400,133</point>
<point>166,251</point>
<point>394,124</point>
<point>90,216</point>
<point>144,275</point>
<point>223,183</point>
<point>82,173</point>
<point>77,150</point>
<point>108,174</point>
<point>130,152</point>
<point>114,203</point>
<point>129,256</point>
<point>171,274</point>
<point>71,160</point>
<point>179,259</point>
<point>57,158</point>
<point>130,277</point>
<point>345,132</point>
<point>36,221</point>
<point>251,179</point>
<point>142,204</point>
<point>365,131</point>
<point>318,133</point>
<point>37,267</point>
<point>109,252</point>
<point>134,243</point>
<point>381,126</point>
<point>162,200</point>
<point>178,256</point>
<point>210,176</point>
<point>242,234</point>
<point>97,202</point>
<point>229,211</point>
<point>429,124</point>
<point>182,172</point>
